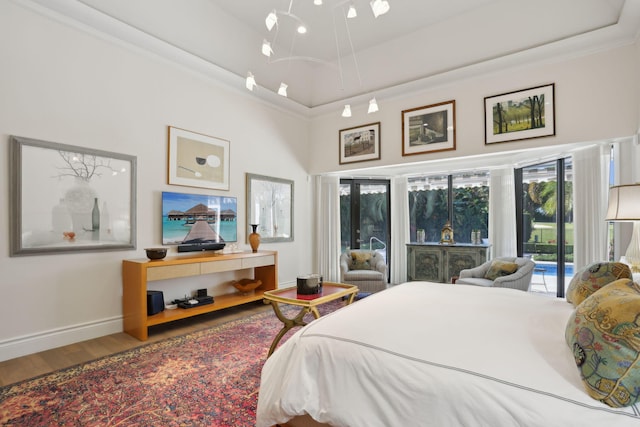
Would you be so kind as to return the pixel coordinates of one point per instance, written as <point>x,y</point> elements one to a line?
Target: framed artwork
<point>429,129</point>
<point>270,205</point>
<point>359,144</point>
<point>523,114</point>
<point>70,199</point>
<point>197,160</point>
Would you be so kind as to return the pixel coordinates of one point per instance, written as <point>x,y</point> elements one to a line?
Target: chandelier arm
<point>335,34</point>
<point>353,51</point>
<point>273,42</point>
<point>306,58</point>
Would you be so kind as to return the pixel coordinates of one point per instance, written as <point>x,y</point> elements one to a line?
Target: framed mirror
<point>270,205</point>
<point>66,198</point>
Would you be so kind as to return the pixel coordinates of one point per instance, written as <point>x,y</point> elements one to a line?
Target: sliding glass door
<point>545,223</point>
<point>364,215</point>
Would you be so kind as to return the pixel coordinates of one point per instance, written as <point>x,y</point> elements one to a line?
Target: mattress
<point>433,354</point>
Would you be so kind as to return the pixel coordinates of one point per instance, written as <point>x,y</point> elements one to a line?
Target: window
<point>462,198</point>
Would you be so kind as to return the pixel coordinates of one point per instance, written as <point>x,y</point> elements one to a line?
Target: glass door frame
<point>355,241</point>
<point>560,165</point>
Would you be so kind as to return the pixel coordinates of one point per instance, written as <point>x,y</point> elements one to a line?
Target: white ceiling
<point>415,41</point>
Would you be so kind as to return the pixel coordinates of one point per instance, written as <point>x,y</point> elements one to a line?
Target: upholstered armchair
<point>365,269</point>
<point>503,272</point>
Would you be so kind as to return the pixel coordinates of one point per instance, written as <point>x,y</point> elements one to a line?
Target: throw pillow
<point>604,334</point>
<point>500,268</point>
<point>593,277</point>
<point>360,261</point>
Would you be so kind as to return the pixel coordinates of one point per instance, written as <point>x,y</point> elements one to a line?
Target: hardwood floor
<point>33,365</point>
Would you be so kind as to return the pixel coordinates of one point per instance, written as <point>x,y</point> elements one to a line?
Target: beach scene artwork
<point>198,218</point>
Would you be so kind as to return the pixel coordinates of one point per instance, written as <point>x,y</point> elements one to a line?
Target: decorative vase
<point>80,199</point>
<point>61,218</point>
<point>254,238</point>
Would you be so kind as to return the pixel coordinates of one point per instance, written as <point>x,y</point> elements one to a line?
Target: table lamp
<point>624,205</point>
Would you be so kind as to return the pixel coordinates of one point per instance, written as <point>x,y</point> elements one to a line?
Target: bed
<point>432,354</point>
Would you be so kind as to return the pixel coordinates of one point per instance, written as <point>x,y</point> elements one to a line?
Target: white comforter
<point>430,354</point>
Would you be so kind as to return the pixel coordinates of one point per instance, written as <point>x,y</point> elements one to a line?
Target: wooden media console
<point>136,273</point>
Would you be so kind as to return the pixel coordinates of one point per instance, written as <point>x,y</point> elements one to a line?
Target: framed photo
<point>270,205</point>
<point>70,199</point>
<point>360,143</point>
<point>524,114</point>
<point>197,160</point>
<point>429,129</point>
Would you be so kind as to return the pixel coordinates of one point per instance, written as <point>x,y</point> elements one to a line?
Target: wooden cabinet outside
<point>136,273</point>
<point>436,262</point>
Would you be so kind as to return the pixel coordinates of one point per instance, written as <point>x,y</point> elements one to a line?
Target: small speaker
<point>155,302</point>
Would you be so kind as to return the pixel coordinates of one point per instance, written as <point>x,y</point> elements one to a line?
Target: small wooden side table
<point>330,292</point>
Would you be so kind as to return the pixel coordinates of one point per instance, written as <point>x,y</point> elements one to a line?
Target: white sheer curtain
<point>399,229</point>
<point>590,192</point>
<point>502,213</point>
<point>327,230</point>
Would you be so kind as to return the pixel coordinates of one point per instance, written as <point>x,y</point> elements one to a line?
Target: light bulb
<point>347,111</point>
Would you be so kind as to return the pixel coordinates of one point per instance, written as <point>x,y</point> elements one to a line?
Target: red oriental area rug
<point>205,378</point>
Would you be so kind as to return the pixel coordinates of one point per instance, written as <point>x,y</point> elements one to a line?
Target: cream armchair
<point>485,275</point>
<point>365,269</point>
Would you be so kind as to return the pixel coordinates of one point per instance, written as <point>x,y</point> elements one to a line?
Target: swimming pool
<point>551,269</point>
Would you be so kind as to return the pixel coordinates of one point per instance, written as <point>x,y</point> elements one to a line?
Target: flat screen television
<point>198,222</point>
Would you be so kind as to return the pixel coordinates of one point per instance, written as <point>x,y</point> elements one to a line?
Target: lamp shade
<point>271,20</point>
<point>373,106</point>
<point>624,203</point>
<point>379,7</point>
<point>282,91</point>
<point>266,48</point>
<point>352,12</point>
<point>250,82</point>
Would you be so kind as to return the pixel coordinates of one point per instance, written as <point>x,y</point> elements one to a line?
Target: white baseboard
<point>46,340</point>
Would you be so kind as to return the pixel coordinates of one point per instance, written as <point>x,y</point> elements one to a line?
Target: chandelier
<point>378,7</point>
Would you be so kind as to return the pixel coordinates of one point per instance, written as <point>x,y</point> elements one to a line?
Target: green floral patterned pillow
<point>360,261</point>
<point>500,268</point>
<point>604,334</point>
<point>593,277</point>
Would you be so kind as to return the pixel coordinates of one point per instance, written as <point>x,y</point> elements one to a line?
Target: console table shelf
<point>136,273</point>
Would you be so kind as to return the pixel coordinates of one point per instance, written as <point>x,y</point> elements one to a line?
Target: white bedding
<point>431,354</point>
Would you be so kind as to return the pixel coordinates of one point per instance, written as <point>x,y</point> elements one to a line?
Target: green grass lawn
<point>548,233</point>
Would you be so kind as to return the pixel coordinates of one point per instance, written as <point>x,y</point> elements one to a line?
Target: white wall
<point>63,85</point>
<point>596,98</point>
